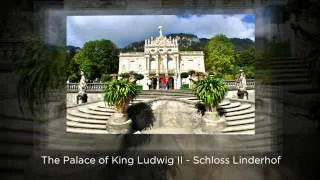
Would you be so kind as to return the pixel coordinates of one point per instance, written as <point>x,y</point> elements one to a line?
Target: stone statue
<point>82,85</point>
<point>242,85</point>
<point>241,82</point>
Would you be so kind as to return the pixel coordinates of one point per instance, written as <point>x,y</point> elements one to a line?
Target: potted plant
<point>119,93</point>
<point>210,91</point>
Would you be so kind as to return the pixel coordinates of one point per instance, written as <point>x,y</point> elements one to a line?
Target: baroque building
<point>161,58</point>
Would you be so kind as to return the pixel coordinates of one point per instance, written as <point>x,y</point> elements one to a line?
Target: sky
<point>123,29</point>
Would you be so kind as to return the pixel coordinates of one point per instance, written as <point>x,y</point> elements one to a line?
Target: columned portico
<point>161,57</point>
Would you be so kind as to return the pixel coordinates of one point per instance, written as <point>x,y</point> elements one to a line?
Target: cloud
<point>123,30</point>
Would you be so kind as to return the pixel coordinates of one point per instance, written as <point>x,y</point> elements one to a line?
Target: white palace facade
<point>161,57</point>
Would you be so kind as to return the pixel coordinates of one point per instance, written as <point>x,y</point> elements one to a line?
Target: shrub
<point>185,86</point>
<point>106,78</point>
<point>140,87</point>
<point>139,76</point>
<point>184,75</point>
<point>124,75</point>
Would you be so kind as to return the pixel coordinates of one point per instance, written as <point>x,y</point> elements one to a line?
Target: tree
<point>219,55</point>
<point>98,57</point>
<point>245,60</point>
<point>210,91</point>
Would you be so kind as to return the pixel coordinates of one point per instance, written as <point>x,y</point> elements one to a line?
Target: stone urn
<point>212,122</point>
<point>118,124</point>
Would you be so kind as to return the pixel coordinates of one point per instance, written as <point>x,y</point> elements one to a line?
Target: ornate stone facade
<point>161,57</point>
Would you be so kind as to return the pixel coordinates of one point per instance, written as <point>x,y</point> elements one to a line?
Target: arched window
<point>170,64</point>
<point>152,64</point>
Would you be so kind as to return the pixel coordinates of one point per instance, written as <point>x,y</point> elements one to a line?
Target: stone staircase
<point>92,118</point>
<point>169,93</point>
<point>239,116</point>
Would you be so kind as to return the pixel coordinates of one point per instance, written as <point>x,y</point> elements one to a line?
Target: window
<point>133,66</point>
<point>152,64</point>
<point>170,64</point>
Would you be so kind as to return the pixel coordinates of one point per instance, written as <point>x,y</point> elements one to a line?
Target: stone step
<point>239,108</point>
<point>150,96</point>
<point>168,130</point>
<point>231,105</point>
<point>236,113</point>
<point>77,113</point>
<point>224,103</point>
<point>241,122</point>
<point>84,120</point>
<point>101,109</point>
<point>240,128</point>
<point>85,131</point>
<point>85,125</point>
<point>247,132</point>
<point>167,92</point>
<point>245,116</point>
<point>88,111</point>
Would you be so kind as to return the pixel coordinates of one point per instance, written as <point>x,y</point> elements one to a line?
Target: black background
<point>286,117</point>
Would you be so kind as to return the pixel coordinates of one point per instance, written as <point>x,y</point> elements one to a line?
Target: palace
<point>161,58</point>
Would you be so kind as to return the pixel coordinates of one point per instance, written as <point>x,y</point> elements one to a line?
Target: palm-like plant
<point>210,91</point>
<point>41,68</point>
<point>119,93</point>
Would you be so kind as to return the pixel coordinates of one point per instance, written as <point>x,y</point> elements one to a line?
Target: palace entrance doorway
<point>154,83</point>
<point>171,83</point>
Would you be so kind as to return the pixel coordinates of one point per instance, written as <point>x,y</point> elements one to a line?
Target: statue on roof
<point>160,30</point>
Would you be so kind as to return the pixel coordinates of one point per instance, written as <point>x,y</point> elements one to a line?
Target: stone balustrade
<point>91,87</point>
<point>232,85</point>
<point>98,87</point>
